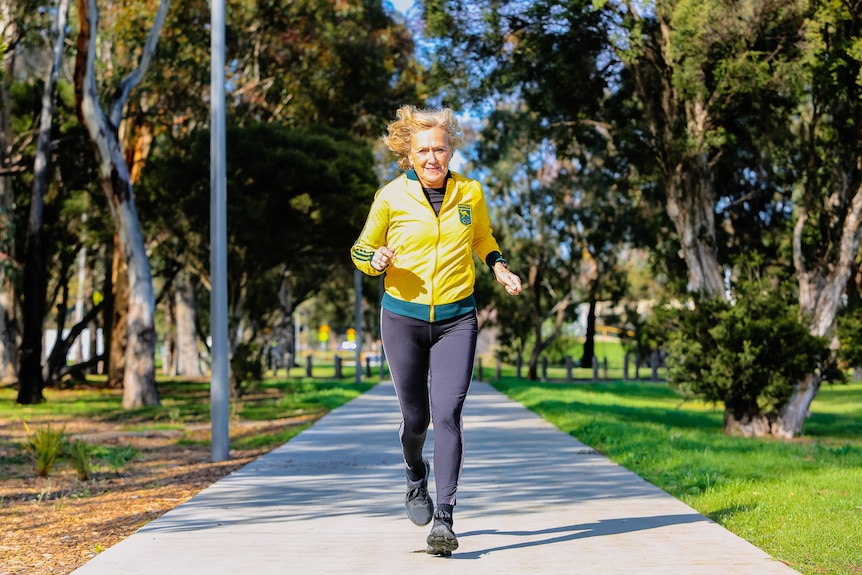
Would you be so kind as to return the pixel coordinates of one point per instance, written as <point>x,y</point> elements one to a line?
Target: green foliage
<point>45,445</point>
<point>849,331</point>
<point>246,366</point>
<point>79,453</point>
<point>115,456</point>
<point>561,347</point>
<point>747,355</point>
<point>297,201</point>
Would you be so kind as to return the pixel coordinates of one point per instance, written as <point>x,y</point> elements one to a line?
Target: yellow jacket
<point>433,273</point>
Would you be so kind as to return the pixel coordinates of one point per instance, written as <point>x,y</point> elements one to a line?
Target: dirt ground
<point>53,525</point>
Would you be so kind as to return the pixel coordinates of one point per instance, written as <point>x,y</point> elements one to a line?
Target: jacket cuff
<point>493,258</point>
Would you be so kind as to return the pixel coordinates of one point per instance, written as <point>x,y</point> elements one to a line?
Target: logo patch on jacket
<point>464,214</point>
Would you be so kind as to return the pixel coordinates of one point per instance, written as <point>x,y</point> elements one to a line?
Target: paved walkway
<point>532,500</point>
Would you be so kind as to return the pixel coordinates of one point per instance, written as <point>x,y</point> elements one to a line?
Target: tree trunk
<point>80,301</point>
<point>590,338</point>
<point>31,378</point>
<point>287,334</point>
<point>139,386</point>
<point>820,292</point>
<point>751,424</point>
<point>188,354</point>
<point>683,156</point>
<point>169,340</point>
<point>106,256</point>
<point>792,416</point>
<point>118,318</point>
<point>8,305</point>
<point>690,205</point>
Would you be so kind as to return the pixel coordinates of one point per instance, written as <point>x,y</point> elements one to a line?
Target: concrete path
<point>532,500</point>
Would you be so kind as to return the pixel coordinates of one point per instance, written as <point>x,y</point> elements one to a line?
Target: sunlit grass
<point>800,501</point>
<point>185,403</point>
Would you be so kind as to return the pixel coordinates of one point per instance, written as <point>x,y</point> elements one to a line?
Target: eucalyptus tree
<point>30,376</point>
<point>828,197</point>
<point>564,224</point>
<point>705,88</point>
<point>347,64</point>
<point>139,387</point>
<point>20,22</point>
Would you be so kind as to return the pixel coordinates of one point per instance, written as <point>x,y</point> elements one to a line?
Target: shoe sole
<point>441,545</point>
<point>438,552</point>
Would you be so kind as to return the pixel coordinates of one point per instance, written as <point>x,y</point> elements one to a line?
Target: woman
<point>422,231</point>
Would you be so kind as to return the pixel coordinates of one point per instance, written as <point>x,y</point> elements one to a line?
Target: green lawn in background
<point>800,501</point>
<point>186,403</point>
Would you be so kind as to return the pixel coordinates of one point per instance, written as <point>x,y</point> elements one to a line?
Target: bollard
<point>654,361</point>
<point>308,367</point>
<point>626,367</point>
<point>337,367</point>
<point>368,367</point>
<point>518,363</point>
<point>570,364</point>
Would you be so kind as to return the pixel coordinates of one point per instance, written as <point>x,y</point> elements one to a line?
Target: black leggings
<point>432,365</point>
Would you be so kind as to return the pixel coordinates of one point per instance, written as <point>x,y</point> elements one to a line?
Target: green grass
<point>188,403</point>
<point>800,501</point>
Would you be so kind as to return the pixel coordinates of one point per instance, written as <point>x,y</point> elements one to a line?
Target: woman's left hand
<point>509,280</point>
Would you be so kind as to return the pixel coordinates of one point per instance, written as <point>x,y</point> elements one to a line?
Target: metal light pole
<point>219,397</point>
<point>357,286</point>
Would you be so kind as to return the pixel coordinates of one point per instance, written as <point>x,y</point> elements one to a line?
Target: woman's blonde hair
<point>410,119</point>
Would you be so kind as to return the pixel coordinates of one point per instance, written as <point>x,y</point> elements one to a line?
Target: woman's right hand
<point>383,256</point>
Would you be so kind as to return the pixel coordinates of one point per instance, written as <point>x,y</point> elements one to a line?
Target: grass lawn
<point>187,403</point>
<point>800,501</point>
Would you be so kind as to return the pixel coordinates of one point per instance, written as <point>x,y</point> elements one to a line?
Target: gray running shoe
<point>442,541</point>
<point>419,507</point>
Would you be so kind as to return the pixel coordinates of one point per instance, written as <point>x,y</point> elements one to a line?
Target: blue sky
<point>402,5</point>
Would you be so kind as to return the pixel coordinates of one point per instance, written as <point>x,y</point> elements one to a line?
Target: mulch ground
<point>53,525</point>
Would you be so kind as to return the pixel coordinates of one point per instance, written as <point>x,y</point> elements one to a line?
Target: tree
<point>345,64</point>
<point>704,90</point>
<point>828,199</point>
<point>748,355</point>
<point>30,377</point>
<point>15,16</point>
<point>297,202</point>
<point>562,227</point>
<point>139,378</point>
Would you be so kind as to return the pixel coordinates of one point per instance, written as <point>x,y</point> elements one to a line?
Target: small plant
<point>116,457</point>
<point>45,445</point>
<point>79,452</point>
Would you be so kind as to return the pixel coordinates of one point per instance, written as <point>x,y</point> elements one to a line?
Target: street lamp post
<point>219,397</point>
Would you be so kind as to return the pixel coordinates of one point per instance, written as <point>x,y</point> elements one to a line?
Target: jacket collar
<point>411,175</point>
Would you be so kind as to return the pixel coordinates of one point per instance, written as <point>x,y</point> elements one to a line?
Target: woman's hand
<point>383,256</point>
<point>509,280</point>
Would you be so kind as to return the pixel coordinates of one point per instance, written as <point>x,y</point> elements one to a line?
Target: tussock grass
<point>800,500</point>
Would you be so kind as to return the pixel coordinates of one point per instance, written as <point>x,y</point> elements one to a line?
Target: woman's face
<point>429,155</point>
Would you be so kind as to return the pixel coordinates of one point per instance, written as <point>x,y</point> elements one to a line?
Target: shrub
<point>747,355</point>
<point>45,445</point>
<point>79,453</point>
<point>116,457</point>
